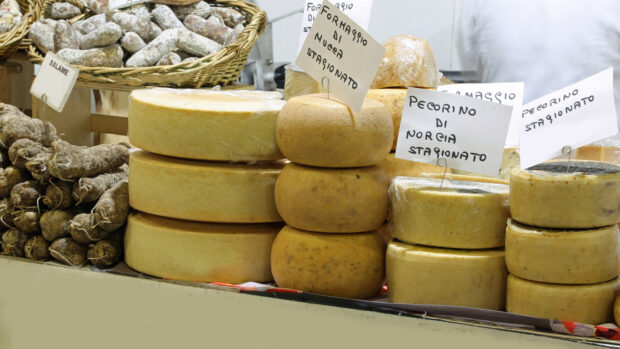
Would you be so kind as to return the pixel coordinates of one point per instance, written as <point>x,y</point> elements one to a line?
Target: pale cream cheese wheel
<point>546,195</point>
<point>234,126</point>
<point>317,131</point>
<point>589,304</point>
<point>203,191</point>
<point>332,200</point>
<point>425,275</point>
<point>202,252</point>
<point>393,99</point>
<point>562,256</point>
<point>451,214</point>
<point>350,266</point>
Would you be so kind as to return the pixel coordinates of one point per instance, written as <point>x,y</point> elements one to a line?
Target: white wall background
<point>432,20</point>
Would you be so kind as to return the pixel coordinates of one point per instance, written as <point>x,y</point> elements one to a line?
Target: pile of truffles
<point>143,35</point>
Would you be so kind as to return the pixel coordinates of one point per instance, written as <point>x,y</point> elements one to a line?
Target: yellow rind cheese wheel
<point>588,196</point>
<point>205,125</point>
<point>317,131</point>
<point>457,215</point>
<point>394,166</point>
<point>424,275</point>
<point>202,252</point>
<point>617,309</point>
<point>589,304</point>
<point>393,99</point>
<point>203,191</point>
<point>350,266</point>
<point>338,200</point>
<point>562,256</point>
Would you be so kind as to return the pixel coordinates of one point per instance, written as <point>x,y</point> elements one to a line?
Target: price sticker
<point>54,82</point>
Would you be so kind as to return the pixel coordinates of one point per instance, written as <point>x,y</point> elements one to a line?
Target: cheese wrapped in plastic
<point>408,62</point>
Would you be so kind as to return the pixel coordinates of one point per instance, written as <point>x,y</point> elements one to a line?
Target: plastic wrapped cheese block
<point>561,194</point>
<point>599,153</point>
<point>562,256</point>
<point>203,252</point>
<point>348,200</point>
<point>426,275</point>
<point>203,191</point>
<point>453,214</point>
<point>319,131</point>
<point>350,266</point>
<point>205,125</point>
<point>464,177</point>
<point>408,62</point>
<point>589,304</point>
<point>393,99</point>
<point>394,167</point>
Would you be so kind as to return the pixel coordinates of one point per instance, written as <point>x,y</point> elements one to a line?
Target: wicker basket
<point>220,68</point>
<point>10,41</point>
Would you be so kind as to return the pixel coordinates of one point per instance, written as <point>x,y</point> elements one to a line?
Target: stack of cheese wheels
<point>561,243</point>
<point>332,197</point>
<point>203,184</point>
<point>448,243</point>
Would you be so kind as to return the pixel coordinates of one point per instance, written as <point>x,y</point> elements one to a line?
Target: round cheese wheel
<point>562,256</point>
<point>424,275</point>
<point>191,251</point>
<point>205,125</point>
<point>545,195</point>
<point>317,131</point>
<point>348,200</point>
<point>350,266</point>
<point>203,191</point>
<point>394,166</point>
<point>617,309</point>
<point>393,99</point>
<point>589,304</point>
<point>456,214</point>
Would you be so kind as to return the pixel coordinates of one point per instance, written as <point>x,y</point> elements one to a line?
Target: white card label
<point>509,93</point>
<point>54,82</point>
<point>574,116</point>
<point>342,52</point>
<point>357,10</point>
<point>469,133</point>
<point>116,4</point>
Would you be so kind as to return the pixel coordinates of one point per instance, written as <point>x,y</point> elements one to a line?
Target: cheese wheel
<point>589,304</point>
<point>350,266</point>
<point>202,252</point>
<point>510,160</point>
<point>464,178</point>
<point>394,167</point>
<point>454,215</point>
<point>425,275</point>
<point>348,200</point>
<point>205,125</point>
<point>393,99</point>
<point>545,195</point>
<point>562,256</point>
<point>203,191</point>
<point>617,309</point>
<point>317,131</point>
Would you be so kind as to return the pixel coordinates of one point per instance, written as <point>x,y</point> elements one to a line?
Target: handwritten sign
<point>469,133</point>
<point>508,93</point>
<point>341,51</point>
<point>574,116</point>
<point>54,82</point>
<point>116,4</point>
<point>357,10</point>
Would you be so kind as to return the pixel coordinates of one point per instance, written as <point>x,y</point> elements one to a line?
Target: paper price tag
<point>574,116</point>
<point>116,4</point>
<point>341,51</point>
<point>469,133</point>
<point>509,93</point>
<point>357,10</point>
<point>54,82</point>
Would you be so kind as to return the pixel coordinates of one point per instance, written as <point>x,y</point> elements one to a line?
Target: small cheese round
<point>348,200</point>
<point>393,99</point>
<point>205,125</point>
<point>394,167</point>
<point>350,266</point>
<point>467,215</point>
<point>424,275</point>
<point>546,195</point>
<point>562,256</point>
<point>317,131</point>
<point>203,191</point>
<point>588,304</point>
<point>202,252</point>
